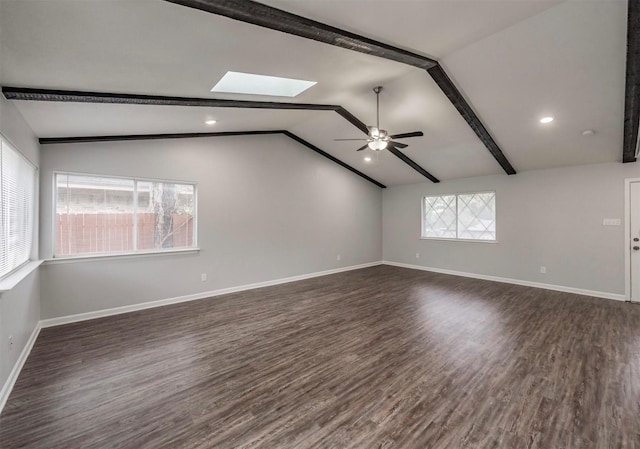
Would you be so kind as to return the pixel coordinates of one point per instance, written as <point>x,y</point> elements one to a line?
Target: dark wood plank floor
<point>383,357</point>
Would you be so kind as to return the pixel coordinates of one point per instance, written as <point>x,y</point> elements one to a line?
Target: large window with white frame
<point>17,207</point>
<point>105,215</point>
<point>468,216</point>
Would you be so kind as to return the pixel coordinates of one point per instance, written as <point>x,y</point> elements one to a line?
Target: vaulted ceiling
<point>514,61</point>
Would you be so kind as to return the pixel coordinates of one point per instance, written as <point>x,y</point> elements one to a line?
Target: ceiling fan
<point>379,139</point>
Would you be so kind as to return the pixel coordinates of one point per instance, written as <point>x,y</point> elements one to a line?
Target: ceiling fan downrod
<point>377,90</point>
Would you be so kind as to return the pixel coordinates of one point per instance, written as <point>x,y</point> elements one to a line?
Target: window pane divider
<point>457,221</point>
<point>134,231</point>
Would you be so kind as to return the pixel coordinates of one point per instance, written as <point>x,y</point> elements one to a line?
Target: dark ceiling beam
<point>632,89</point>
<point>348,116</point>
<point>276,19</point>
<point>130,137</point>
<point>455,97</point>
<point>125,137</point>
<point>403,157</point>
<point>334,159</point>
<point>28,94</point>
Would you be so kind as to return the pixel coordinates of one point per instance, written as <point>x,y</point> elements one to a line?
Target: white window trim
<point>15,147</point>
<point>116,256</point>
<point>444,239</point>
<point>455,239</point>
<point>125,254</point>
<point>13,278</point>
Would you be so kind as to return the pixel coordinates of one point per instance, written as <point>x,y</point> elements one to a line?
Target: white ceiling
<point>53,119</point>
<point>434,28</point>
<point>514,60</point>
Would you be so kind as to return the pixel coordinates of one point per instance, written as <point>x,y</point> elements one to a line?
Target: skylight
<point>248,83</point>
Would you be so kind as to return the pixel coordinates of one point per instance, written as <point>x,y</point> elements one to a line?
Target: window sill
<point>10,281</point>
<point>460,240</point>
<point>116,256</point>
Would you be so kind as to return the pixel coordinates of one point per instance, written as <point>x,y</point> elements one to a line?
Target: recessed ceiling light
<point>546,119</point>
<point>210,122</point>
<point>249,83</point>
<point>367,159</point>
<point>588,132</point>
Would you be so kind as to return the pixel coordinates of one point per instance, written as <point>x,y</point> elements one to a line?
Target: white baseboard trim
<point>13,375</point>
<point>164,302</point>
<point>559,288</point>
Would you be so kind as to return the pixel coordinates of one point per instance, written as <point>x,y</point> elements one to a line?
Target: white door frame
<point>627,236</point>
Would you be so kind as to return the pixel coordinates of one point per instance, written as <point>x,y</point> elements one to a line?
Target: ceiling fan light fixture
<point>379,139</point>
<point>378,145</point>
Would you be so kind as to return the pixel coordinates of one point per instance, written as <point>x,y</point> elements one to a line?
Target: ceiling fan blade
<point>341,140</point>
<point>363,148</point>
<point>406,135</point>
<point>398,144</point>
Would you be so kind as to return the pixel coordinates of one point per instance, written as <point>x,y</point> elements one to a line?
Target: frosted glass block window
<point>470,216</point>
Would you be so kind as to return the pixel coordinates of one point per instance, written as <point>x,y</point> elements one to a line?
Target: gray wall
<point>19,308</point>
<point>549,218</point>
<point>268,208</point>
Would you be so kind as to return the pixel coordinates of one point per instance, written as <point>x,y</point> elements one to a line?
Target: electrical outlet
<point>339,257</point>
<point>543,270</point>
<point>417,255</point>
<point>203,277</point>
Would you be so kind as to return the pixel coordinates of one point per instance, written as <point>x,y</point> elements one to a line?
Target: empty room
<point>308,224</point>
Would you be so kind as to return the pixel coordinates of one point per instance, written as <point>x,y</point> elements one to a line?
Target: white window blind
<point>17,185</point>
